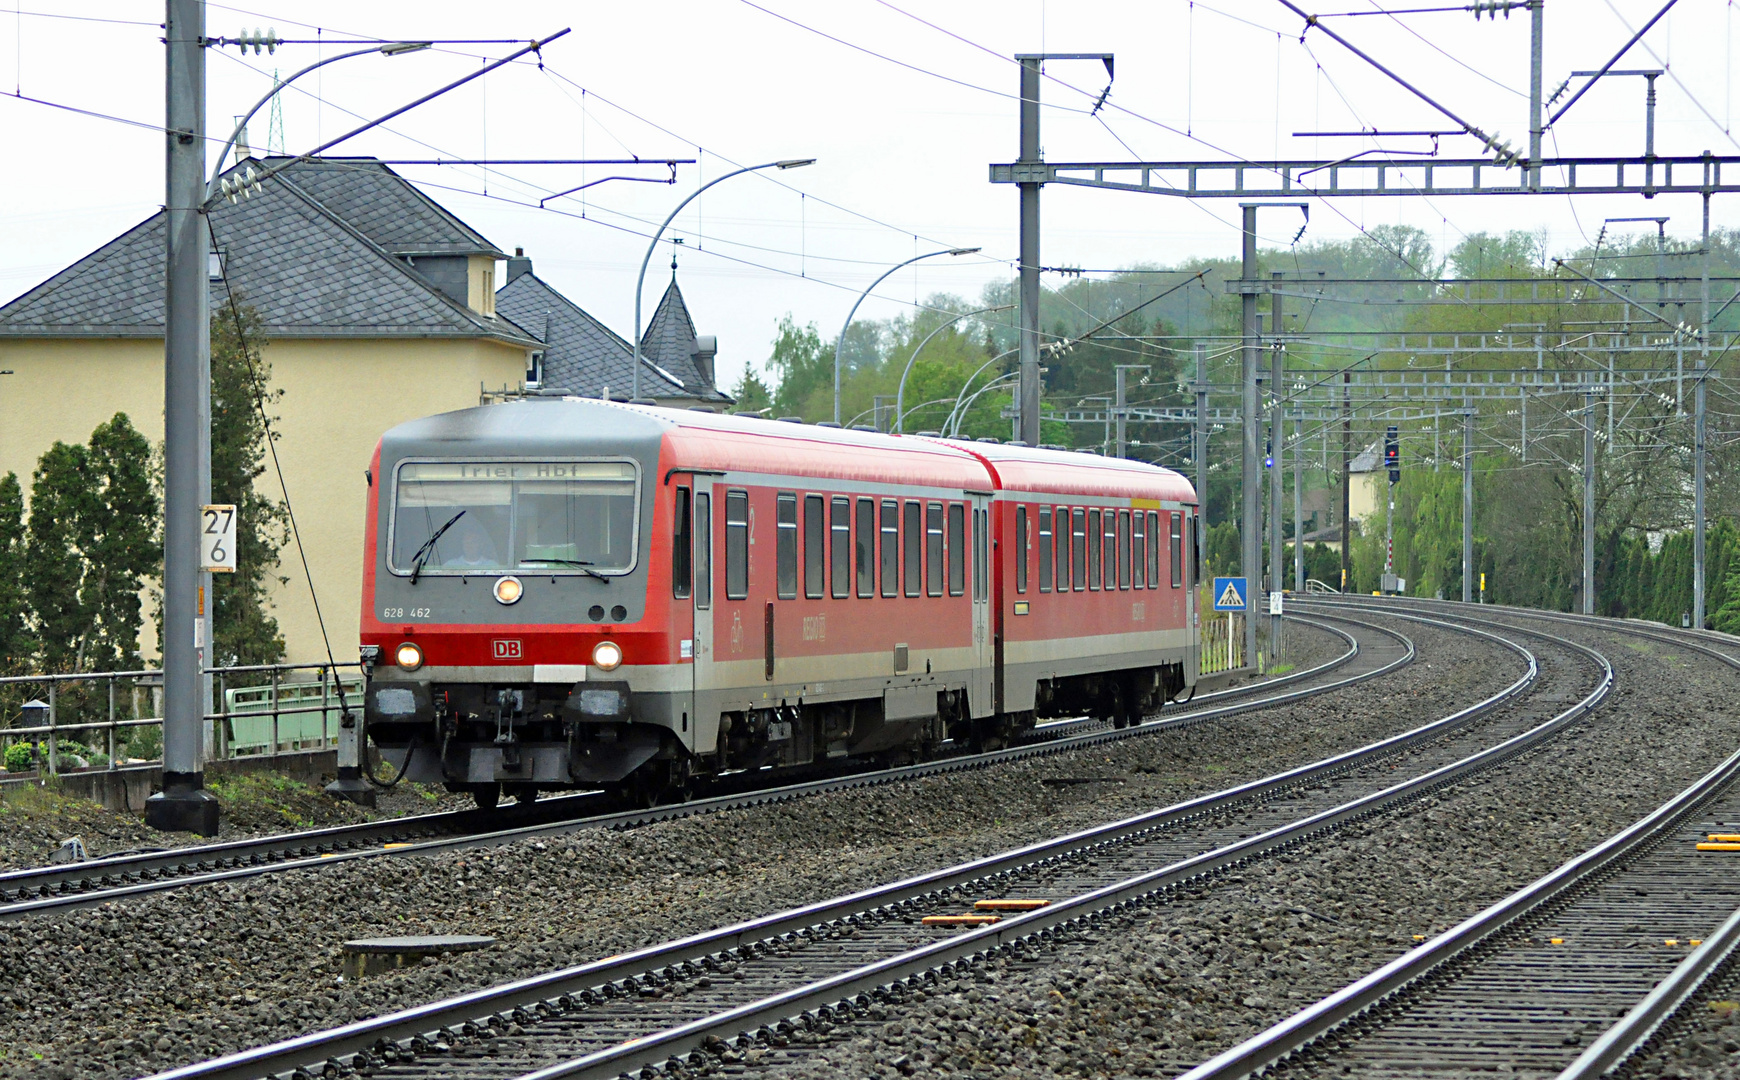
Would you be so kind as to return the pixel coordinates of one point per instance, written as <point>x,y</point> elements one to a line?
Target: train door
<point>1193,617</point>
<point>706,699</point>
<point>683,620</point>
<point>981,691</point>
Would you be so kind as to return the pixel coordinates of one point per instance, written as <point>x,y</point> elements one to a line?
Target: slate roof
<point>583,355</point>
<point>309,273</point>
<point>377,202</point>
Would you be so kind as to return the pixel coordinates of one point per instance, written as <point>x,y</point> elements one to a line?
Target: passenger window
<point>1095,549</point>
<point>1020,549</point>
<point>703,550</point>
<point>957,549</point>
<point>1154,549</point>
<point>1196,549</point>
<point>840,549</point>
<point>1079,548</point>
<point>913,543</point>
<point>890,548</point>
<point>1138,551</point>
<point>933,549</point>
<point>736,545</point>
<point>981,555</point>
<point>1109,544</point>
<point>1045,549</point>
<point>1124,548</point>
<point>787,546</point>
<point>1177,551</point>
<point>682,545</point>
<point>865,550</point>
<point>815,546</point>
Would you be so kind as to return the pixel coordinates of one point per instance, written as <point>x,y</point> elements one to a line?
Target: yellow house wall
<point>339,397</point>
<point>1366,495</point>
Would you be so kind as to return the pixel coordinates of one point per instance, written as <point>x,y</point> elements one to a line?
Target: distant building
<point>380,306</point>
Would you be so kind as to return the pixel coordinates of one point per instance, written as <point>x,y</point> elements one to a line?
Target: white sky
<point>906,150</point>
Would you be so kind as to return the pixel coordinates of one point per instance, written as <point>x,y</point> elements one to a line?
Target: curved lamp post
<point>391,48</point>
<point>652,245</point>
<point>840,342</point>
<point>900,393</point>
<point>959,415</point>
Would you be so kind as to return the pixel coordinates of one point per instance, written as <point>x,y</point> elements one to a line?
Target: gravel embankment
<point>34,821</point>
<point>136,987</point>
<point>1159,992</point>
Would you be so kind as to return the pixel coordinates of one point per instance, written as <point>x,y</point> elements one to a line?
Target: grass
<point>1280,669</point>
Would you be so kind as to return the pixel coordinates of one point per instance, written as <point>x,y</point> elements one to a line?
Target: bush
<point>19,757</point>
<point>144,742</point>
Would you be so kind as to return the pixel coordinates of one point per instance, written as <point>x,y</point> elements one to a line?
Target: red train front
<point>567,593</point>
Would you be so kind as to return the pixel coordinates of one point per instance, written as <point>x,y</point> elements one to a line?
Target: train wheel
<point>486,795</point>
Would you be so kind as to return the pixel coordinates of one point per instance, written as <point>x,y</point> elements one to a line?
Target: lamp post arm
<point>652,246</point>
<point>840,342</point>
<point>211,185</point>
<point>969,382</point>
<point>961,409</point>
<point>900,394</point>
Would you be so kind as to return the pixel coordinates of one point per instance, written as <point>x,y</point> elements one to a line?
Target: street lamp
<point>652,245</point>
<point>900,393</point>
<point>392,48</point>
<point>841,341</point>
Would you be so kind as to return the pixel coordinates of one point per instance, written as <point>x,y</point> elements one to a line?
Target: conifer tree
<point>62,513</point>
<point>124,548</point>
<point>17,647</point>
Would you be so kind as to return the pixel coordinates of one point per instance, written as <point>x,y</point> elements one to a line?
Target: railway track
<point>1636,928</point>
<point>754,982</point>
<point>62,887</point>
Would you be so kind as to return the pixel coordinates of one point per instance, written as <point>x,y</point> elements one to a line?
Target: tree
<point>17,646</point>
<point>752,394</point>
<point>63,509</point>
<point>803,365</point>
<point>124,548</point>
<point>244,630</point>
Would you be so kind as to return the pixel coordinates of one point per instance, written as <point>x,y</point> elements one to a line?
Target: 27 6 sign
<point>217,539</point>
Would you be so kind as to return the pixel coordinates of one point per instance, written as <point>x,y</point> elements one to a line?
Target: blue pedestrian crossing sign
<point>1229,594</point>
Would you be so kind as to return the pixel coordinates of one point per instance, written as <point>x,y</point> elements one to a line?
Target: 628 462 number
<point>405,613</point>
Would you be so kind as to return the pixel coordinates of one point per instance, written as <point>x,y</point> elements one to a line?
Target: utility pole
<point>1588,504</point>
<point>1121,405</point>
<point>1346,477</point>
<point>1201,447</point>
<point>1277,440</point>
<point>184,805</point>
<point>1536,20</point>
<point>1699,429</point>
<point>1251,524</point>
<point>1467,501</point>
<point>1298,508</point>
<point>1027,398</point>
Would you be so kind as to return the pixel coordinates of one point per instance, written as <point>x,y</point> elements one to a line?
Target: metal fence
<point>277,708</point>
<point>1223,642</point>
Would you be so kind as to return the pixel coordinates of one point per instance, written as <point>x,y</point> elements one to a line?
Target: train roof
<point>705,440</point>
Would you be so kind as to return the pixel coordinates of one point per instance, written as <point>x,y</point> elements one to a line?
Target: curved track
<point>1540,975</point>
<point>41,889</point>
<point>683,998</point>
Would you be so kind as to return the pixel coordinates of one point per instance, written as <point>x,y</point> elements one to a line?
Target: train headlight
<point>508,589</point>
<point>408,656</point>
<point>607,656</point>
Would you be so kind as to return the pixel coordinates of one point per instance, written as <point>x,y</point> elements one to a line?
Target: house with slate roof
<point>379,306</point>
<point>583,356</point>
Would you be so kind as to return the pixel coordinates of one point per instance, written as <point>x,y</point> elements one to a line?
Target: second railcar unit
<point>565,592</point>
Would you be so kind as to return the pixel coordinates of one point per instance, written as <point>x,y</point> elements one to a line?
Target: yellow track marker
<point>389,847</point>
<point>1419,937</point>
<point>1671,941</point>
<point>1555,941</point>
<point>1726,838</point>
<point>1010,905</point>
<point>1719,847</point>
<point>961,920</point>
<point>1696,941</point>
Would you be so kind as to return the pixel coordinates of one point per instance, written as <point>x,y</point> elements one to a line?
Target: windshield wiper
<point>428,547</point>
<point>583,567</point>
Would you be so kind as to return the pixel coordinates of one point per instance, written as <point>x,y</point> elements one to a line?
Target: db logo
<point>507,650</point>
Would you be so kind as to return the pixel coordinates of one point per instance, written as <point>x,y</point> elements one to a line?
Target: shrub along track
<point>171,978</point>
<point>774,963</point>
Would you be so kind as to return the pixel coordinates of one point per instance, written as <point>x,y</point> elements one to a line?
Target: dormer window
<point>535,369</point>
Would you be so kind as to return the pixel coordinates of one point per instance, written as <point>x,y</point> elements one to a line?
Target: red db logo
<point>507,650</point>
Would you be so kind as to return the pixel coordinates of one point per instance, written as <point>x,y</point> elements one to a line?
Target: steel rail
<point>331,847</point>
<point>563,991</point>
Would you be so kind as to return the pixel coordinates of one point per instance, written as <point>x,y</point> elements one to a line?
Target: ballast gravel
<point>133,988</point>
<point>1158,992</point>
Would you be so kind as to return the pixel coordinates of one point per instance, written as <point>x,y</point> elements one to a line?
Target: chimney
<point>243,150</point>
<point>705,348</point>
<point>519,264</point>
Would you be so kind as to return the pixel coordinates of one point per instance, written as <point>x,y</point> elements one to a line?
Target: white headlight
<point>409,656</point>
<point>508,589</point>
<point>606,656</point>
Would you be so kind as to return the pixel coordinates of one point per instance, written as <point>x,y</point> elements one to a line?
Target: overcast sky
<point>904,118</point>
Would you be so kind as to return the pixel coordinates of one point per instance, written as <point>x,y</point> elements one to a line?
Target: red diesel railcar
<point>564,592</point>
